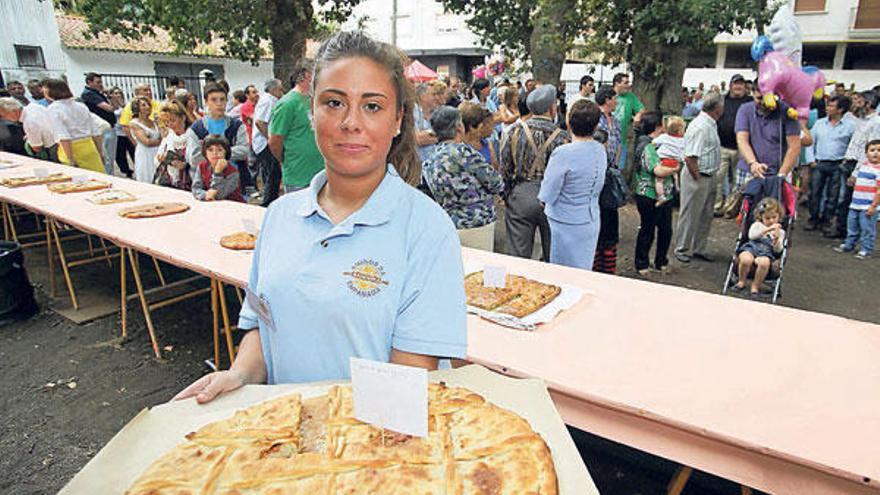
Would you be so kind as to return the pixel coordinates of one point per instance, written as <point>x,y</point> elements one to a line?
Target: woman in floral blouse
<point>462,182</point>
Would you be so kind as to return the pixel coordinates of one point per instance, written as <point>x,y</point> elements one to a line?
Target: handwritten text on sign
<point>390,396</point>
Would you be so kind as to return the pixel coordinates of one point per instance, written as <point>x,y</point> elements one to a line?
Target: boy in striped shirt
<point>861,224</point>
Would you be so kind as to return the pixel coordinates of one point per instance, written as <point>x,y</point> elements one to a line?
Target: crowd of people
<point>561,167</point>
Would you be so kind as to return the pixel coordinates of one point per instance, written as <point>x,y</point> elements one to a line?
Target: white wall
<point>29,22</point>
<point>421,24</point>
<point>238,74</point>
<point>831,25</point>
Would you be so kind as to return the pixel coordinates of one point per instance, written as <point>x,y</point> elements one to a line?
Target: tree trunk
<point>291,24</point>
<point>549,42</point>
<point>657,74</point>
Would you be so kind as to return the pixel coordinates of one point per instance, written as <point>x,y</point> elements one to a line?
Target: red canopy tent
<point>419,72</point>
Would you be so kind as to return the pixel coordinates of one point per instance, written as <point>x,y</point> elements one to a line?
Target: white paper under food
<point>156,431</point>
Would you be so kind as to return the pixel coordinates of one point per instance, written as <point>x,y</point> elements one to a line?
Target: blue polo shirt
<point>831,140</point>
<point>388,276</point>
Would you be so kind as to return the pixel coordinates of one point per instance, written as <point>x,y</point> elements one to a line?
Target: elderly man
<point>11,131</point>
<point>702,156</point>
<point>426,102</point>
<point>267,164</point>
<point>525,150</point>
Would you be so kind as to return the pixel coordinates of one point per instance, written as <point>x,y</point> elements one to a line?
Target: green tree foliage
<point>246,27</point>
<point>653,36</point>
<point>541,31</point>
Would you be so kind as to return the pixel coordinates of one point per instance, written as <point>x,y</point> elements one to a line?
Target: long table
<point>779,399</point>
<point>189,240</point>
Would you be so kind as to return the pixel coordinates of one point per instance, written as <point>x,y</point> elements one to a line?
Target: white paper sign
<point>79,179</point>
<point>249,225</point>
<point>390,396</point>
<point>494,276</point>
<point>41,172</point>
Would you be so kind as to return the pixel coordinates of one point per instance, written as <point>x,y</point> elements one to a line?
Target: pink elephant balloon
<point>778,75</point>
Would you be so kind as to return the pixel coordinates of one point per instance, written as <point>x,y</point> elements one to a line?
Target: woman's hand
<point>220,166</point>
<point>210,195</point>
<point>208,387</point>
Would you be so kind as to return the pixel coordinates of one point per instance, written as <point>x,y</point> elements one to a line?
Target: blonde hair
<point>769,206</point>
<point>676,125</point>
<point>174,108</point>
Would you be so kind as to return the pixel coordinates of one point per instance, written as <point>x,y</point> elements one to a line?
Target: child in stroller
<point>766,240</point>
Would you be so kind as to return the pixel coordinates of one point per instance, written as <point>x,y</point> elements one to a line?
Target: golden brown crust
<point>239,241</point>
<point>520,297</point>
<point>73,187</point>
<point>472,447</point>
<point>153,210</point>
<point>34,180</point>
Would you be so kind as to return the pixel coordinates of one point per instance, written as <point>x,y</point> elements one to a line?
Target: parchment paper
<point>153,432</point>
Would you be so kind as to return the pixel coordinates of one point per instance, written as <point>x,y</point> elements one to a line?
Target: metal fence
<point>127,83</point>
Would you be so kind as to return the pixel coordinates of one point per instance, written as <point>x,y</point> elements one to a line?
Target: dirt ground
<point>68,388</point>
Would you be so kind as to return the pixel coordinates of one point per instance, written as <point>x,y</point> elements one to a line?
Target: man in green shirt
<point>291,136</point>
<point>629,110</point>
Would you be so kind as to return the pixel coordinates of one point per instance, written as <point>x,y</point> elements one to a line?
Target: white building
<point>29,44</point>
<point>440,40</point>
<point>37,42</point>
<point>841,37</point>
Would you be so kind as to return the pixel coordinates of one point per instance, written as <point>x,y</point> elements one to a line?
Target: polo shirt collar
<point>376,211</point>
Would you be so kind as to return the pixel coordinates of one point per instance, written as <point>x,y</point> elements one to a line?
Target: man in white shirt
<point>267,164</point>
<point>586,90</point>
<point>38,132</point>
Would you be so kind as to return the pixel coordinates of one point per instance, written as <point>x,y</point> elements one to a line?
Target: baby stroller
<point>756,190</point>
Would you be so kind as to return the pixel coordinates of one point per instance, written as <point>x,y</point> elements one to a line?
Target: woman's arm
<point>554,179</point>
<point>141,137</point>
<point>68,151</point>
<point>415,360</point>
<point>248,367</point>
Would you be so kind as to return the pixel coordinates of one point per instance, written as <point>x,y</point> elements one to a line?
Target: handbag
<point>614,192</point>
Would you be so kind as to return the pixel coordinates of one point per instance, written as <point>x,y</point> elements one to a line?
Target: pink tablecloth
<point>801,389</point>
<point>800,386</point>
<point>189,240</point>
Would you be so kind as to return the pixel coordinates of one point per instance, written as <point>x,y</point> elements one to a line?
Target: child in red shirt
<point>216,178</point>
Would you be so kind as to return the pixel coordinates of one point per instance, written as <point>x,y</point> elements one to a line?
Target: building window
<point>29,56</point>
<point>868,15</point>
<point>862,56</point>
<point>703,58</point>
<point>739,57</point>
<point>809,6</point>
<point>822,56</point>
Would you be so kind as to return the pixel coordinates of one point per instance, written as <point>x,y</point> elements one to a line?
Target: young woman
<point>77,134</point>
<point>360,263</point>
<point>147,138</point>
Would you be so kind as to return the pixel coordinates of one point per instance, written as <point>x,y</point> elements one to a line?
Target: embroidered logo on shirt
<point>366,278</point>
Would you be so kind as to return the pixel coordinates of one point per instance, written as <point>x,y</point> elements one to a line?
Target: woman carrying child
<point>655,216</point>
<point>216,178</point>
<point>670,149</point>
<point>766,238</point>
